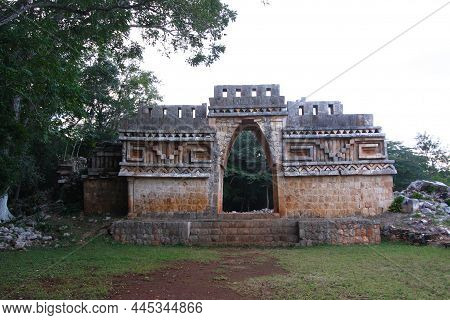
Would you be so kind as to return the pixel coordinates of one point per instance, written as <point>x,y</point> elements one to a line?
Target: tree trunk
<point>267,197</point>
<point>5,215</point>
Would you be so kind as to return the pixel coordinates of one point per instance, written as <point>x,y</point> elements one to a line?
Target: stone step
<point>243,232</point>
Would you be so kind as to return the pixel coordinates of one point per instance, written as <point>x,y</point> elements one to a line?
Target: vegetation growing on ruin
<point>396,205</point>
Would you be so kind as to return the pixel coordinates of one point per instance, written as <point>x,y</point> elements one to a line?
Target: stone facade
<point>104,191</point>
<point>105,196</point>
<point>168,195</point>
<point>338,196</point>
<point>324,163</point>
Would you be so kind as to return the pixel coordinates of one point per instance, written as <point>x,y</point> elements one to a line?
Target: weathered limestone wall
<point>170,195</point>
<point>338,231</point>
<point>337,196</point>
<point>265,232</point>
<point>105,196</point>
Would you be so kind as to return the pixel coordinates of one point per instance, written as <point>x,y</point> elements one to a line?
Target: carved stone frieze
<point>130,170</point>
<point>336,169</point>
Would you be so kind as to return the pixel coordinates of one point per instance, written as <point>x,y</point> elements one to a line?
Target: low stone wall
<point>264,232</point>
<point>338,231</point>
<point>151,233</point>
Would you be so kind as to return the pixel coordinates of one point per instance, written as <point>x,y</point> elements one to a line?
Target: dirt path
<point>194,280</point>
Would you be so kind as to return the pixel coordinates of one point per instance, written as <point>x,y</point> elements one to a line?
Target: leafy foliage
<point>248,180</point>
<point>177,25</point>
<point>418,196</point>
<point>419,162</point>
<point>431,148</point>
<point>69,72</point>
<point>396,205</point>
<point>113,87</point>
<point>409,165</point>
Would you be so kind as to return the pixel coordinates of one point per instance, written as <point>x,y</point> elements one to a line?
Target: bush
<point>396,205</point>
<point>430,189</point>
<point>417,195</point>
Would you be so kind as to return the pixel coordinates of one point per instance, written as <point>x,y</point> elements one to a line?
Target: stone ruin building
<point>326,166</point>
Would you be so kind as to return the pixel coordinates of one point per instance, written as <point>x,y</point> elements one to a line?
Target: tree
<point>51,51</point>
<point>113,88</point>
<point>410,166</point>
<point>178,25</point>
<point>247,180</point>
<point>423,162</point>
<point>431,148</point>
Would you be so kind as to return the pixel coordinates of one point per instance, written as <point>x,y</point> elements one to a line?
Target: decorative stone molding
<point>336,169</point>
<point>325,154</point>
<point>243,111</point>
<point>184,171</point>
<point>332,133</point>
<point>142,135</point>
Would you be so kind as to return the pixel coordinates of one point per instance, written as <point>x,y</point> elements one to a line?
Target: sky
<point>302,44</point>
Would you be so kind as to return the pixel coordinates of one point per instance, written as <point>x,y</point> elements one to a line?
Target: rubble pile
<point>15,237</point>
<point>259,211</point>
<point>423,214</point>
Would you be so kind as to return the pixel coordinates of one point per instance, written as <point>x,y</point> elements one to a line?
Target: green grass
<point>386,271</point>
<point>85,274</point>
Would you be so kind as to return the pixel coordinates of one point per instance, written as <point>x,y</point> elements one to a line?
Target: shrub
<point>396,205</point>
<point>430,189</point>
<point>417,195</point>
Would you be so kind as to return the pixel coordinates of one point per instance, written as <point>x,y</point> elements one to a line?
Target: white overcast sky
<point>301,44</point>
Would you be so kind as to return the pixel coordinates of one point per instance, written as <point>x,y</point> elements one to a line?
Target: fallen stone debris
<point>423,217</point>
<point>259,211</point>
<point>14,237</point>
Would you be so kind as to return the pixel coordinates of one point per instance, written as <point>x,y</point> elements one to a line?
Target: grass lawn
<point>386,271</point>
<point>85,274</point>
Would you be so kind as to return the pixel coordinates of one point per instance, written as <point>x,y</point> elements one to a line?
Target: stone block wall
<point>156,195</point>
<point>337,196</point>
<point>151,233</point>
<point>241,232</point>
<point>341,231</point>
<point>103,196</point>
<point>263,232</point>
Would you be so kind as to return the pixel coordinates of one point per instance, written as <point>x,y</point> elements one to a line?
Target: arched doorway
<point>248,178</point>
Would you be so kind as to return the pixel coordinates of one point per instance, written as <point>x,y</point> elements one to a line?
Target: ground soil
<point>187,280</point>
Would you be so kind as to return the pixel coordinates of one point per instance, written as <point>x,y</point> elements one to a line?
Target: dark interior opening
<point>247,184</point>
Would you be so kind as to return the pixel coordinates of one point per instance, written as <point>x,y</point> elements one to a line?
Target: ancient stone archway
<point>268,145</point>
<point>324,163</point>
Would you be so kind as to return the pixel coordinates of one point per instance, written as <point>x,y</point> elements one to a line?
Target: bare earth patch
<point>189,280</point>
